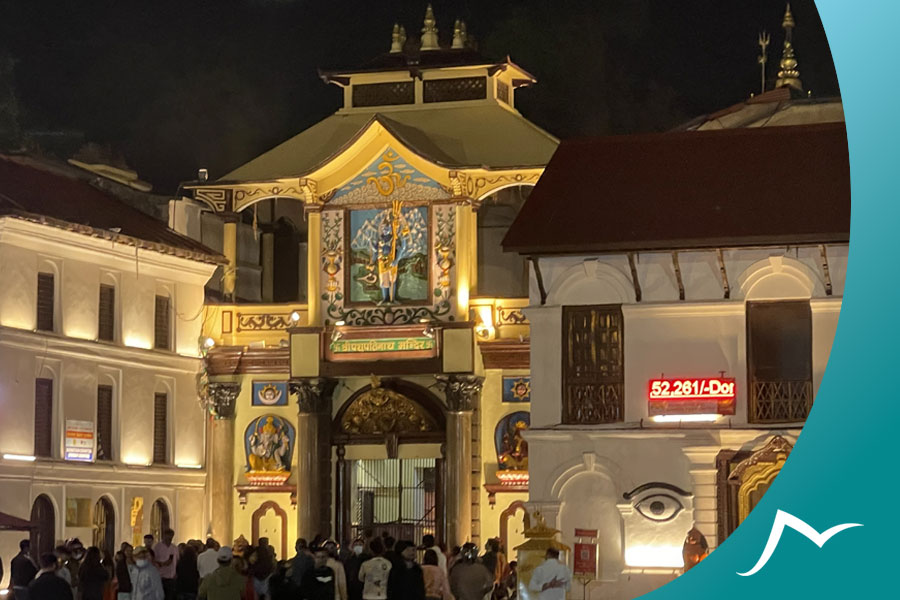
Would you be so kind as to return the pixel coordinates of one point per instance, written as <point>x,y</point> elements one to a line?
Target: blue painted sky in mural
<point>401,167</point>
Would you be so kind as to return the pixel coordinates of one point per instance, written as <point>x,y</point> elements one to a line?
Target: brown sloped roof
<point>12,523</point>
<point>670,191</point>
<point>47,194</point>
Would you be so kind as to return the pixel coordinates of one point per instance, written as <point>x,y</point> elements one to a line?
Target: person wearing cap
<point>146,584</point>
<point>469,579</point>
<point>225,583</point>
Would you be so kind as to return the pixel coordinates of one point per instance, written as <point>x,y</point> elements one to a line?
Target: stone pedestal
<point>220,453</point>
<point>313,456</point>
<point>462,393</point>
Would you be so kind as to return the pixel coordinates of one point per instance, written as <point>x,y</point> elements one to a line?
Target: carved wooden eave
<point>238,360</point>
<point>506,354</point>
<point>777,449</point>
<point>316,186</point>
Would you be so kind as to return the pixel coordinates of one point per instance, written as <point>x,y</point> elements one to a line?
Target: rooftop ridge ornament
<point>763,41</point>
<point>788,75</point>
<point>396,44</point>
<point>459,35</point>
<point>429,31</point>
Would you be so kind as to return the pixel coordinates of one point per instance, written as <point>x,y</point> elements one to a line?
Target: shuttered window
<point>779,361</point>
<point>104,422</point>
<point>160,428</point>
<point>107,313</point>
<point>45,292</point>
<point>593,365</point>
<point>161,323</point>
<point>43,417</point>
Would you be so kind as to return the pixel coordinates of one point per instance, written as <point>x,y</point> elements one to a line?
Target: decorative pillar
<point>313,271</point>
<point>229,248</point>
<point>267,260</point>
<point>220,456</point>
<point>461,392</point>
<point>313,464</point>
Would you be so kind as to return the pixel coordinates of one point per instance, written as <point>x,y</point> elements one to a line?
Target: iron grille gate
<point>394,495</point>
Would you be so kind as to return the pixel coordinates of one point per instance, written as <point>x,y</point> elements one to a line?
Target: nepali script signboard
<point>585,560</point>
<point>79,440</point>
<point>362,345</point>
<point>692,396</point>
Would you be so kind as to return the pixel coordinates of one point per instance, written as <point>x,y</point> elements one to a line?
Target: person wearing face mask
<point>146,584</point>
<point>352,565</point>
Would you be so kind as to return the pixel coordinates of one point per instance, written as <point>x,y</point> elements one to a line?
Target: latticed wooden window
<point>384,94</point>
<point>160,428</point>
<point>593,364</point>
<point>107,314</point>
<point>779,359</point>
<point>45,301</point>
<point>161,324</point>
<point>503,91</point>
<point>458,88</point>
<point>104,422</point>
<point>43,417</point>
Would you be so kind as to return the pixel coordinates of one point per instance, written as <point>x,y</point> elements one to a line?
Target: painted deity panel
<point>270,393</point>
<point>388,255</point>
<point>517,389</point>
<point>512,449</point>
<point>269,444</point>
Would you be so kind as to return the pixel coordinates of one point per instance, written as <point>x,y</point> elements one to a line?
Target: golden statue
<point>515,449</point>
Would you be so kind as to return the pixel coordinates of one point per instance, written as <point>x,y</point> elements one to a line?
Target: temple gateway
<point>368,363</point>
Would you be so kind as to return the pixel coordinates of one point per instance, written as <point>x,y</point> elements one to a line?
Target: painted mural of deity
<point>269,443</point>
<point>389,258</point>
<point>512,449</point>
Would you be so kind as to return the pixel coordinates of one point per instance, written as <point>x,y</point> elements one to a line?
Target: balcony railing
<point>780,401</point>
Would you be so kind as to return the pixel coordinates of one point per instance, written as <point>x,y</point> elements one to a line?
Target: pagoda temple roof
<point>690,190</point>
<point>476,136</point>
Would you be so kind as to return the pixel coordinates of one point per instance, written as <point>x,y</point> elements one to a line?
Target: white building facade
<point>672,376</point>
<point>102,436</point>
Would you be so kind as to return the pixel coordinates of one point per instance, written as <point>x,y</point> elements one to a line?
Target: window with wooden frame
<point>46,301</point>
<point>593,364</point>
<point>106,330</point>
<point>43,417</point>
<point>162,324</point>
<point>104,422</point>
<point>160,428</point>
<point>779,361</point>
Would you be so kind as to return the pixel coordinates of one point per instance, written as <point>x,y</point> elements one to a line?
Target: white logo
<point>782,520</point>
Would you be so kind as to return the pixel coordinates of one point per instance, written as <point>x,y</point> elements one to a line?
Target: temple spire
<point>788,75</point>
<point>429,31</point>
<point>459,35</point>
<point>396,45</point>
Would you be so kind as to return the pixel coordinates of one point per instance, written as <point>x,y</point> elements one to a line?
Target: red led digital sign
<point>697,395</point>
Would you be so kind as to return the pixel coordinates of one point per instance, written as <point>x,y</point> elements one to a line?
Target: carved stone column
<point>462,393</point>
<point>220,457</point>
<point>313,455</point>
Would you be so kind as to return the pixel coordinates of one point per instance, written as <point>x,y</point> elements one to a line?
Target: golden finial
<point>402,36</point>
<point>459,35</point>
<point>396,44</point>
<point>429,31</point>
<point>375,381</point>
<point>788,75</point>
<point>763,41</point>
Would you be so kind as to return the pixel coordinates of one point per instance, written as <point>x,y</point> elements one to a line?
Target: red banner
<point>591,533</point>
<point>585,560</point>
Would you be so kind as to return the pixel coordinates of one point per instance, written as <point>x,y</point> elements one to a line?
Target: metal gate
<point>398,496</point>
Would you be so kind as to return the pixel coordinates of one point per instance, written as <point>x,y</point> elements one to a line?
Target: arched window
<point>159,519</point>
<point>43,538</point>
<point>105,526</point>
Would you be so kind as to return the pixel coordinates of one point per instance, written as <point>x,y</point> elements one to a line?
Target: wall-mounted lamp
<point>703,418</point>
<point>295,316</point>
<point>19,457</point>
<point>429,330</point>
<point>209,342</point>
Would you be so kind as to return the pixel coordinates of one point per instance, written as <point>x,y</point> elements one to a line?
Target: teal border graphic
<point>841,469</point>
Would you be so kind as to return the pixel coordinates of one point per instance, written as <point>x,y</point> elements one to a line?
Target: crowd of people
<point>372,568</point>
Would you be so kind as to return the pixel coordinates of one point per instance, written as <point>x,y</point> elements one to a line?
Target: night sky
<point>174,85</point>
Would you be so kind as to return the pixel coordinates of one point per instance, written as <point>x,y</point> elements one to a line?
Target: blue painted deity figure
<point>390,247</point>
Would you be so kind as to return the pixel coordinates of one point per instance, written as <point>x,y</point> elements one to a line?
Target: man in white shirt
<point>374,573</point>
<point>207,561</point>
<point>551,578</point>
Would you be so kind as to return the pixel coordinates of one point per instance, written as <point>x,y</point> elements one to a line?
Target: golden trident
<point>763,41</point>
